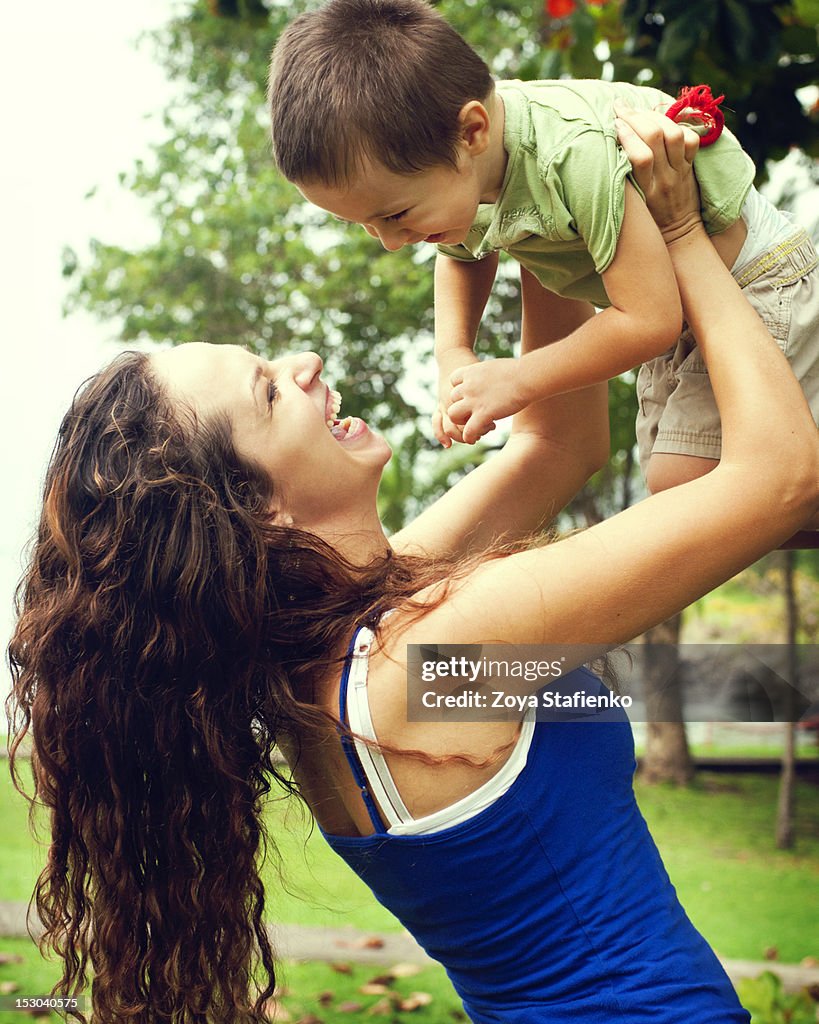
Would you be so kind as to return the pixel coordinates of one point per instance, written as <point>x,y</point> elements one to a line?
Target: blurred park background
<point>143,208</point>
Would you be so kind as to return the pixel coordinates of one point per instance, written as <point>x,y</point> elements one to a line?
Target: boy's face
<point>435,205</point>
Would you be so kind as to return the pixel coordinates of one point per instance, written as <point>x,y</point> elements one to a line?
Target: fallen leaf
<point>414,1001</point>
<point>383,979</point>
<point>349,1006</point>
<point>326,997</point>
<point>7,987</point>
<point>372,942</point>
<point>374,988</point>
<point>771,953</point>
<point>341,968</point>
<point>309,1018</point>
<point>404,970</point>
<point>10,958</point>
<point>381,1009</point>
<point>809,961</point>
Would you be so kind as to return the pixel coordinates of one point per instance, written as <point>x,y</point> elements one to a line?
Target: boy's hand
<point>450,360</point>
<point>443,428</point>
<point>484,393</point>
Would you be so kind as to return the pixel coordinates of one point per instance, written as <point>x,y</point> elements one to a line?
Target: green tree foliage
<point>240,258</point>
<point>759,53</point>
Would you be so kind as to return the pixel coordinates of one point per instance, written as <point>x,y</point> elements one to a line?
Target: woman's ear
<point>475,124</point>
<point>278,517</point>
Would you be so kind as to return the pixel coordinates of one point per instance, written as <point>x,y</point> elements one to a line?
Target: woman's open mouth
<point>346,429</point>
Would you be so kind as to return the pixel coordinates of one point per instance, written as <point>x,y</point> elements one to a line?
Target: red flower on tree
<point>696,103</point>
<point>560,8</point>
<point>563,8</point>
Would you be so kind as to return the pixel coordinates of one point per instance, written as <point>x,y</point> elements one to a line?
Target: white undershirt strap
<point>397,819</point>
<point>372,760</point>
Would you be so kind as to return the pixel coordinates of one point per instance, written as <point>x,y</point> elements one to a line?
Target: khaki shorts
<point>677,412</point>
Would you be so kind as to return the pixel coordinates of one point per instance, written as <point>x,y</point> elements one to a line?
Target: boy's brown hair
<point>378,79</point>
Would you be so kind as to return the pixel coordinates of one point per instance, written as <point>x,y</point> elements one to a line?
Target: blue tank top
<point>552,905</point>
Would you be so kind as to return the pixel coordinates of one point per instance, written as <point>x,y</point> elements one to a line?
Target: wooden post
<point>786,800</point>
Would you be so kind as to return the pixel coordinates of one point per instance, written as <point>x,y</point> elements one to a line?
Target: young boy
<point>384,116</point>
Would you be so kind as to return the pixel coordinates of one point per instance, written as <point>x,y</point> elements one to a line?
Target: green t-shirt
<point>561,204</point>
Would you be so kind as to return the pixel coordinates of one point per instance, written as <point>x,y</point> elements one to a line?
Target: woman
<point>210,578</point>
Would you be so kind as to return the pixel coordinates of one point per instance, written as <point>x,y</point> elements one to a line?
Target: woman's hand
<point>662,155</point>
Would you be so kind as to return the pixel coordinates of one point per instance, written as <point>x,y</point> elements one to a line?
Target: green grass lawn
<point>332,993</point>
<point>742,893</point>
<point>716,839</point>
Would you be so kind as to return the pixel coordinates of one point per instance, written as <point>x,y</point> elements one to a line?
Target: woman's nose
<point>306,367</point>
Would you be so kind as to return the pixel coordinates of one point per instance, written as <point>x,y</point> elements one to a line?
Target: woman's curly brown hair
<point>167,633</point>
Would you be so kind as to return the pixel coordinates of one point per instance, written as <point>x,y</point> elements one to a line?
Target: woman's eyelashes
<point>397,216</point>
<point>272,392</point>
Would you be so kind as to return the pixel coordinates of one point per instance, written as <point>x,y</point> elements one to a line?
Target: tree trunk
<point>625,498</point>
<point>666,758</point>
<point>786,801</point>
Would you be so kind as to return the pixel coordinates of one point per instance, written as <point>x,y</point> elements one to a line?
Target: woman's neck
<point>359,542</point>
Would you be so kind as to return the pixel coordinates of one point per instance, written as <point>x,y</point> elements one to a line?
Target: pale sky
<point>77,93</point>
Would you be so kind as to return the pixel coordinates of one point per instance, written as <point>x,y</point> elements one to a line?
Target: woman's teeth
<point>339,428</point>
<point>335,405</point>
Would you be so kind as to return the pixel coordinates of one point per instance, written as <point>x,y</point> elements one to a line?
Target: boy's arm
<point>644,319</point>
<point>553,448</point>
<point>462,288</point>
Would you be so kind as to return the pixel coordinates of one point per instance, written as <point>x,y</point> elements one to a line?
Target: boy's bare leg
<point>666,470</point>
